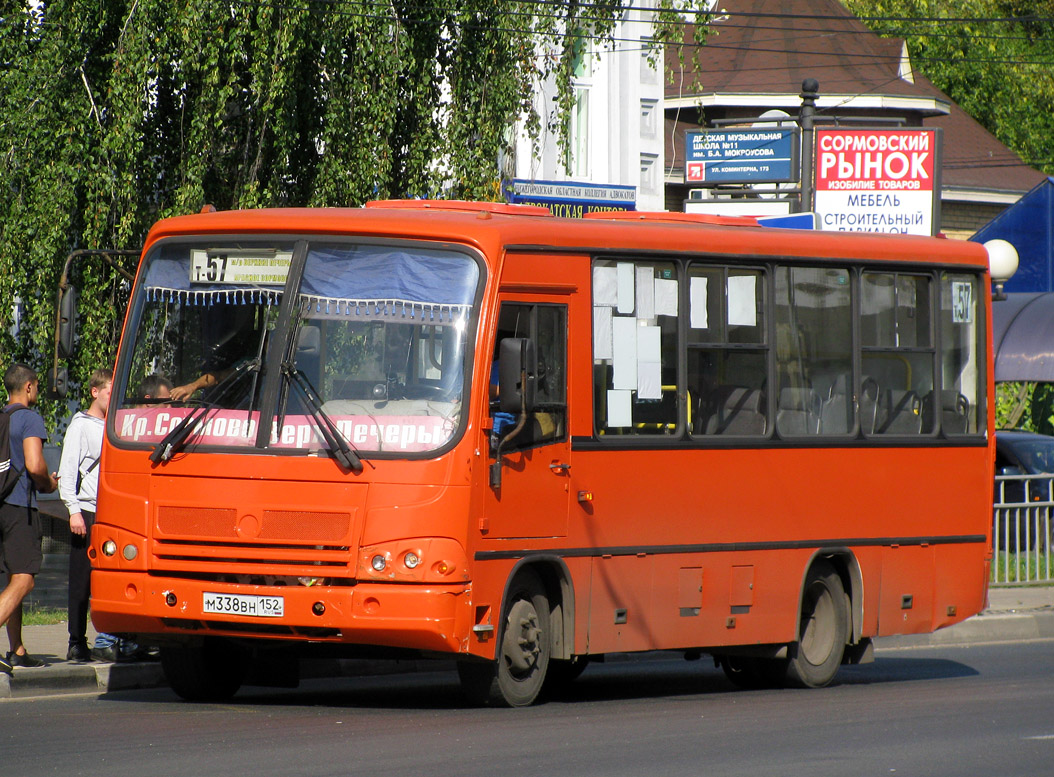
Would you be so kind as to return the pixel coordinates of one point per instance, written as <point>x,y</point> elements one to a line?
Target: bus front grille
<point>221,559</point>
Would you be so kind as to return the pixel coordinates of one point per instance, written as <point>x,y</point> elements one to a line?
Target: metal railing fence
<point>1021,529</point>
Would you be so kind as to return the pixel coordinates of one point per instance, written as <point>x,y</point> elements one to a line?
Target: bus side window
<point>546,326</point>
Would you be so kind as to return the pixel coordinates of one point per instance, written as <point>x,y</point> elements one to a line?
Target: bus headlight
<point>417,560</point>
<point>109,548</point>
<point>130,552</point>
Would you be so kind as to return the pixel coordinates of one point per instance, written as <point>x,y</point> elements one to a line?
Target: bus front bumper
<point>424,617</point>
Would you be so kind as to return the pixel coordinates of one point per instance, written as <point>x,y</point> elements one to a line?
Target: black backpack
<point>8,474</point>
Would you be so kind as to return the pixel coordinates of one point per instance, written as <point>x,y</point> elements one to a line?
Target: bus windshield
<point>374,345</point>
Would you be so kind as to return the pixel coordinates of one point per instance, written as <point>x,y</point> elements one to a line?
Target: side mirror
<point>58,383</point>
<point>67,321</point>
<point>309,342</point>
<point>516,356</point>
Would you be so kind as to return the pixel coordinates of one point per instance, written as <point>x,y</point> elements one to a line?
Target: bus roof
<point>498,226</point>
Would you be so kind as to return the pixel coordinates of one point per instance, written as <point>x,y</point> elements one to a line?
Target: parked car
<point>1023,504</point>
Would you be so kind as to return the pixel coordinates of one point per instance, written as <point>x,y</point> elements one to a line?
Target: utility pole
<point>810,90</point>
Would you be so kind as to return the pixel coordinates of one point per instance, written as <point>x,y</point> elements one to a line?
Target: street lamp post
<point>810,90</point>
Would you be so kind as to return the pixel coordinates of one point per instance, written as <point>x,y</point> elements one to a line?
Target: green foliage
<point>994,58</point>
<point>1028,406</point>
<point>1012,402</point>
<point>114,113</point>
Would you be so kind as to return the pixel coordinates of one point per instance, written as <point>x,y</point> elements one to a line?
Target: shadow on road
<point>643,677</point>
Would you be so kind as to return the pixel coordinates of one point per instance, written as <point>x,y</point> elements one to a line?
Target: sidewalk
<point>1013,614</point>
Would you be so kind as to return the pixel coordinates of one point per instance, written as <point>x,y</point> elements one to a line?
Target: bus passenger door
<point>532,499</point>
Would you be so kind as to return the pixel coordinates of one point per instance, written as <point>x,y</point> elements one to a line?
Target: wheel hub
<point>522,643</point>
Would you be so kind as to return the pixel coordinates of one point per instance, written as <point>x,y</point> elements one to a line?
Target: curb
<point>80,678</point>
<point>1008,626</point>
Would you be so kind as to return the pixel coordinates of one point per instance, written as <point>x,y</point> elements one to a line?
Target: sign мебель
<point>871,180</point>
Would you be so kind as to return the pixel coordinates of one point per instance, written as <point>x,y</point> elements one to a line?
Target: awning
<point>1023,337</point>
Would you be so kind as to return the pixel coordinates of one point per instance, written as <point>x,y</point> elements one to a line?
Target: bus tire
<point>523,654</point>
<point>822,629</point>
<point>516,678</point>
<point>211,671</point>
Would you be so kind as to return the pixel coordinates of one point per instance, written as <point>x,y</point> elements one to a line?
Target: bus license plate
<point>243,604</point>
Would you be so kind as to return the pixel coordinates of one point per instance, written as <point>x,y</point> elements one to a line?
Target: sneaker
<point>25,660</point>
<point>79,653</point>
<point>4,666</point>
<point>107,654</point>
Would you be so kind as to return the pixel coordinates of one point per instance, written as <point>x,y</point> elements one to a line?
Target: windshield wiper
<point>174,441</point>
<point>336,441</point>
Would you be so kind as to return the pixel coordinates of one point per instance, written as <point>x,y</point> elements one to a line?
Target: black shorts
<point>20,539</point>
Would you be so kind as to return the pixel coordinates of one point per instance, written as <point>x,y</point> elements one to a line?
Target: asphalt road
<point>950,710</point>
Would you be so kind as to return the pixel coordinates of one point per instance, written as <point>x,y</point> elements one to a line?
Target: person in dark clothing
<point>19,522</point>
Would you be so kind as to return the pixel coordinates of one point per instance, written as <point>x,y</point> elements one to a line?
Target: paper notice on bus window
<point>602,333</point>
<point>697,302</point>
<point>665,297</point>
<point>649,362</point>
<point>620,409</point>
<point>649,380</point>
<point>742,300</point>
<point>625,287</point>
<point>649,344</point>
<point>624,346</point>
<point>605,286</point>
<point>645,293</point>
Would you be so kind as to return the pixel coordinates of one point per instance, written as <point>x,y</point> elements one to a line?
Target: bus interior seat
<point>900,412</point>
<point>741,411</point>
<point>869,394</point>
<point>835,416</point>
<point>954,414</point>
<point>798,411</point>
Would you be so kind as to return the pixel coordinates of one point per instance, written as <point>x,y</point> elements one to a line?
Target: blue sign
<point>791,221</point>
<point>752,155</point>
<point>571,199</point>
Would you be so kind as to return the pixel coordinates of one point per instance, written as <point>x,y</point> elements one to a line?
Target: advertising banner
<point>570,199</point>
<point>871,180</point>
<point>752,155</point>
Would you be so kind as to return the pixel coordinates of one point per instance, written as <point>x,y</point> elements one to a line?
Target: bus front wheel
<point>822,629</point>
<point>211,671</point>
<point>517,677</point>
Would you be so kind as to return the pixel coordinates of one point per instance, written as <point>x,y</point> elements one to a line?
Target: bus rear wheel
<point>211,671</point>
<point>822,629</point>
<point>517,677</point>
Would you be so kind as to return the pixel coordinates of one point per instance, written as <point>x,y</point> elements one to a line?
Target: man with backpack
<point>19,522</point>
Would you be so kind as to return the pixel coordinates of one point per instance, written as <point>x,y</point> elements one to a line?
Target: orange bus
<point>478,431</point>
